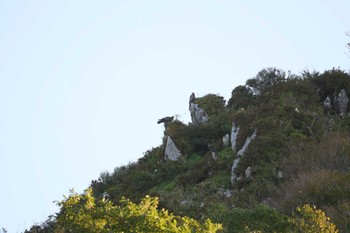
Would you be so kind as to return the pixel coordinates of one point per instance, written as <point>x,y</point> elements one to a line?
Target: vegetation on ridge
<point>300,159</point>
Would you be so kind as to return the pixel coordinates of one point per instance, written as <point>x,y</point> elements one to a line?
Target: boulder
<point>227,193</point>
<point>226,140</point>
<point>248,172</point>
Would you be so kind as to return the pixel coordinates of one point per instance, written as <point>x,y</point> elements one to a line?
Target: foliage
<point>83,213</point>
<point>265,79</point>
<point>241,97</point>
<point>261,219</point>
<point>330,83</point>
<point>309,220</point>
<point>212,104</point>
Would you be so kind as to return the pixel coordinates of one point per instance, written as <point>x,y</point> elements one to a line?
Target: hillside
<point>281,141</point>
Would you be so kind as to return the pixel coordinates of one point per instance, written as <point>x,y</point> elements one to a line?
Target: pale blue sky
<point>82,83</point>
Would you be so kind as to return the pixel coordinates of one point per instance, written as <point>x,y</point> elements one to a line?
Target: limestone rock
<point>234,134</point>
<point>342,102</point>
<point>233,169</point>
<point>242,151</point>
<point>280,174</point>
<point>198,115</point>
<point>171,152</point>
<point>227,193</point>
<point>327,105</point>
<point>214,155</point>
<point>226,140</point>
<point>240,154</point>
<point>213,150</point>
<point>248,172</point>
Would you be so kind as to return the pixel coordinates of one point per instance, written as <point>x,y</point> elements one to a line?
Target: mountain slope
<point>280,142</point>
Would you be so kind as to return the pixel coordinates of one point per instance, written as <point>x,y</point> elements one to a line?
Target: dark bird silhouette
<point>165,120</point>
<point>192,98</point>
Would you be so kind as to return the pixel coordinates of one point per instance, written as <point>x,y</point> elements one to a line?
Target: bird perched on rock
<point>192,98</point>
<point>165,120</point>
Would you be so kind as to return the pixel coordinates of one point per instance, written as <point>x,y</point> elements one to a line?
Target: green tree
<point>265,79</point>
<point>83,213</point>
<point>241,97</point>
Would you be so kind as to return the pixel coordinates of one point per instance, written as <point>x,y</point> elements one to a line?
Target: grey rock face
<point>234,166</point>
<point>240,154</point>
<point>198,115</point>
<point>234,134</point>
<point>242,151</point>
<point>171,152</point>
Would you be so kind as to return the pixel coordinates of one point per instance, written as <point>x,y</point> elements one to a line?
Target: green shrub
<point>262,218</point>
<point>212,104</point>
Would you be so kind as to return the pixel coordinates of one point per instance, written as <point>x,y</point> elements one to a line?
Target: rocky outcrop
<point>233,169</point>
<point>339,105</point>
<point>234,134</point>
<point>342,102</point>
<point>240,154</point>
<point>242,151</point>
<point>171,151</point>
<point>198,115</point>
